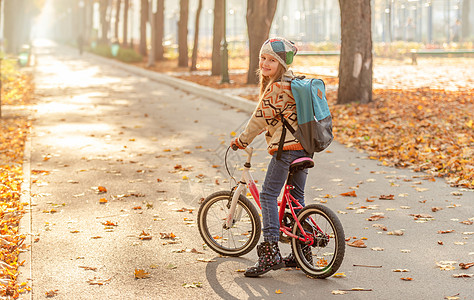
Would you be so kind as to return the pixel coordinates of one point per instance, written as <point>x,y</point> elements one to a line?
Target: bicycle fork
<point>235,212</point>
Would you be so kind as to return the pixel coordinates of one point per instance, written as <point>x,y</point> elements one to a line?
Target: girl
<point>275,100</point>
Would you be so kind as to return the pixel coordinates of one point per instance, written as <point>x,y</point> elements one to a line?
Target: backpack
<point>314,130</point>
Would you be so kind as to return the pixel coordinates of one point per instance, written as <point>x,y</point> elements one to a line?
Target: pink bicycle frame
<point>248,181</point>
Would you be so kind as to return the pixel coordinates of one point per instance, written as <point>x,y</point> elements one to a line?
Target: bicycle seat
<point>301,164</point>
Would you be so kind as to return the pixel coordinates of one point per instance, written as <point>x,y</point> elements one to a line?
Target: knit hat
<point>280,48</point>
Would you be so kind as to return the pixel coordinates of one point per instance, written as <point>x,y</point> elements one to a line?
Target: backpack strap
<point>285,126</point>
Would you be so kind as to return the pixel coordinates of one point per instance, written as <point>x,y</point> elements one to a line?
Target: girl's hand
<point>235,145</point>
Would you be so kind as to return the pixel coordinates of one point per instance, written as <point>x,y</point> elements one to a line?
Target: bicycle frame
<point>247,181</point>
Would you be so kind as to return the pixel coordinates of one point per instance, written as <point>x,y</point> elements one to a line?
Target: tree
<point>260,15</point>
<point>143,21</point>
<point>355,65</point>
<point>160,30</point>
<point>217,35</point>
<point>126,7</point>
<point>465,26</point>
<point>14,15</point>
<point>88,16</point>
<point>118,5</point>
<point>183,33</point>
<point>196,37</point>
<point>151,19</point>
<point>104,23</point>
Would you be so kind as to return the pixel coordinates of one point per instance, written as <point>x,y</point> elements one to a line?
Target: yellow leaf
<point>233,134</point>
<point>278,292</point>
<point>339,275</point>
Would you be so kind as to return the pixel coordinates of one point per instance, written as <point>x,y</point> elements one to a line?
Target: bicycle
<point>230,224</point>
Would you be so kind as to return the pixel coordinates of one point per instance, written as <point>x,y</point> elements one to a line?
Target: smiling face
<point>268,65</point>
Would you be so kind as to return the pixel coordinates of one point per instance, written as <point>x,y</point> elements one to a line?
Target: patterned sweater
<point>266,117</point>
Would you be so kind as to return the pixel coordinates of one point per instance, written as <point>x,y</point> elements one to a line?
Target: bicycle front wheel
<point>324,256</point>
<point>238,239</point>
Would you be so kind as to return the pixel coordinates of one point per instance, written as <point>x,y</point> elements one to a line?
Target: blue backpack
<point>314,119</point>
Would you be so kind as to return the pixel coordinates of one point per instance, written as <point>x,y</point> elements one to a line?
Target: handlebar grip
<point>234,147</point>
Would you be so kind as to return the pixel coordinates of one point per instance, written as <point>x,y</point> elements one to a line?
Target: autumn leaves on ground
<point>424,129</point>
<point>16,90</point>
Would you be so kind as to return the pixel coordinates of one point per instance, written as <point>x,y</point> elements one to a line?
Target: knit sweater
<point>266,117</point>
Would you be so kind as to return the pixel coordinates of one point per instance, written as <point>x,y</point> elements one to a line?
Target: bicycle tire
<point>330,224</point>
<point>216,208</point>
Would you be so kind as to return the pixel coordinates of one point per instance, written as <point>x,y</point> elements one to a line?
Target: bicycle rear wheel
<point>324,256</point>
<point>244,233</point>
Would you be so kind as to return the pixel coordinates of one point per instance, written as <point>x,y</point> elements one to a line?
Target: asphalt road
<point>156,150</point>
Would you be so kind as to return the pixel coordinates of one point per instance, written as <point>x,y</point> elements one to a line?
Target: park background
<point>420,115</point>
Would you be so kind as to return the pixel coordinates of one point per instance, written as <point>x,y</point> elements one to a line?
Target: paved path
<point>157,149</point>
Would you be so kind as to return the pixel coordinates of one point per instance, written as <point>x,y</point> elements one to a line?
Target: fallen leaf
<point>205,260</point>
<point>378,249</point>
<point>382,227</point>
<point>141,274</point>
<point>400,270</point>
<point>338,292</point>
<point>339,275</point>
<point>51,293</point>
<point>357,244</point>
<point>88,268</point>
<point>435,209</point>
<point>395,232</point>
<point>375,218</point>
<point>167,235</point>
<point>446,265</point>
<point>192,285</point>
<point>463,275</point>
<point>349,194</point>
<point>101,189</point>
<point>145,236</point>
<point>109,223</point>
<point>445,231</point>
<point>278,292</point>
<point>421,216</point>
<point>98,281</point>
<point>386,197</point>
<point>102,201</point>
<point>466,265</point>
<point>406,278</point>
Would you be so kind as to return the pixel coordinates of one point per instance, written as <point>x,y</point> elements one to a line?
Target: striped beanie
<point>280,48</point>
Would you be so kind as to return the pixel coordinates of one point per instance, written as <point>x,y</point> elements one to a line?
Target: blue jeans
<point>275,179</point>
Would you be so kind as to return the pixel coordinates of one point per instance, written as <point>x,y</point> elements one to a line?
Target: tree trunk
<point>88,15</point>
<point>12,25</point>
<point>104,24</point>
<point>355,66</point>
<point>117,19</point>
<point>260,15</point>
<point>126,8</point>
<point>160,30</point>
<point>151,19</point>
<point>143,20</point>
<point>196,37</point>
<point>183,33</point>
<point>217,35</point>
<point>465,26</point>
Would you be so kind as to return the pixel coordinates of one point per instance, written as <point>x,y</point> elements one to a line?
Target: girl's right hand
<point>235,145</point>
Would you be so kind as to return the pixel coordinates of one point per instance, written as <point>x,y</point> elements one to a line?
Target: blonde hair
<point>264,81</point>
